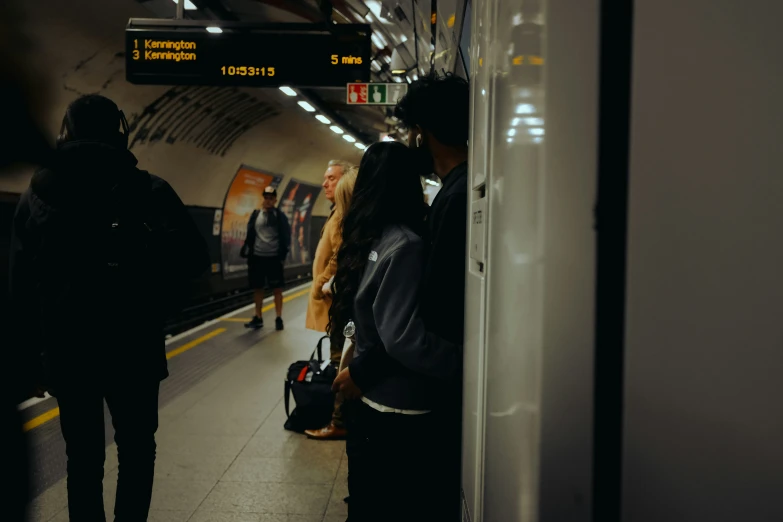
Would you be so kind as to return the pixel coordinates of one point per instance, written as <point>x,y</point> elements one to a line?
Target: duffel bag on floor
<point>310,382</point>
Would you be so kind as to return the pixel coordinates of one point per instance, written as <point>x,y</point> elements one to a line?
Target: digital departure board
<point>193,52</point>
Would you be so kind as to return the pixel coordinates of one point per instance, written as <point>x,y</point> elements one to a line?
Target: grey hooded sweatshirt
<point>415,364</point>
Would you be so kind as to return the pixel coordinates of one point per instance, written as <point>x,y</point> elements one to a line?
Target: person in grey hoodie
<point>399,368</point>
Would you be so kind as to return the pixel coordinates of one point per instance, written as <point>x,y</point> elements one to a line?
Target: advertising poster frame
<point>297,202</point>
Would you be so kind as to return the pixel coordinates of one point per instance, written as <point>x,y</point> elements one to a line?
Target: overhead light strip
<point>323,119</point>
<point>189,6</point>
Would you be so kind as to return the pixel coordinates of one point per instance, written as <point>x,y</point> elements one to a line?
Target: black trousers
<point>134,415</point>
<point>396,467</point>
<point>449,422</point>
<point>336,343</point>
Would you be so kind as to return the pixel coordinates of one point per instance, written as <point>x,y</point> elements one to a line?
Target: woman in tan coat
<point>324,268</point>
<point>325,262</point>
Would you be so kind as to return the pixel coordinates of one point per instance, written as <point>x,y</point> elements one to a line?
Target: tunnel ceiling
<point>392,26</point>
<point>198,137</point>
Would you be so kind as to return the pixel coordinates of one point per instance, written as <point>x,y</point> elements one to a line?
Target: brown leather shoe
<point>330,432</point>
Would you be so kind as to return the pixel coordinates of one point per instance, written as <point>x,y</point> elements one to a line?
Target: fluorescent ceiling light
<point>536,132</point>
<point>349,138</point>
<point>306,106</point>
<point>398,71</point>
<point>214,29</point>
<point>404,38</point>
<point>336,129</point>
<point>377,8</point>
<point>378,40</point>
<point>190,6</point>
<point>361,146</point>
<point>512,132</point>
<point>538,139</point>
<point>288,90</point>
<point>515,122</point>
<point>534,121</point>
<point>525,108</point>
<point>323,119</point>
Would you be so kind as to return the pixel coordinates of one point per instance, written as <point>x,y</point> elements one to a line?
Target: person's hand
<point>345,385</point>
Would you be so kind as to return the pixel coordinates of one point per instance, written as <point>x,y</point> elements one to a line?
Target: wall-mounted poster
<point>244,196</point>
<point>296,202</point>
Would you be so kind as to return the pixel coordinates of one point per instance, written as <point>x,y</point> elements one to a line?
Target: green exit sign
<point>375,93</point>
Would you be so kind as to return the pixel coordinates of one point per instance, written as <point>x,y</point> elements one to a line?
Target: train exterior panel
<point>622,347</point>
<point>527,443</point>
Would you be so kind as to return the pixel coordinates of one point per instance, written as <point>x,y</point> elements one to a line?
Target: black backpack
<point>132,234</point>
<point>310,382</point>
<point>141,251</point>
<point>111,255</point>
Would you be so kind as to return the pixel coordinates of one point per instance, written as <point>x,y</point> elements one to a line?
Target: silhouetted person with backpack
<point>101,253</point>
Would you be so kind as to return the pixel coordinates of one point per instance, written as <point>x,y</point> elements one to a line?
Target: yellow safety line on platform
<point>268,307</point>
<point>51,414</point>
<point>41,419</point>
<point>54,412</point>
<point>194,343</point>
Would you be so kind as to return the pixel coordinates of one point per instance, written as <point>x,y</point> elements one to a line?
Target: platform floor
<point>223,455</point>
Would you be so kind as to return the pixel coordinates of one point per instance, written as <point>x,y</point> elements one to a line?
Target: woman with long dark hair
<point>393,381</point>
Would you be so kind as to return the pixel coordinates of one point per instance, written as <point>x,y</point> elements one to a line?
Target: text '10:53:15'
<point>247,71</point>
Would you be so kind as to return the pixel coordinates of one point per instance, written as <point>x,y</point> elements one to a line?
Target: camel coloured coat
<point>324,267</point>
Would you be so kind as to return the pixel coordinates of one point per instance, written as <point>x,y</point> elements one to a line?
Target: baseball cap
<point>270,191</point>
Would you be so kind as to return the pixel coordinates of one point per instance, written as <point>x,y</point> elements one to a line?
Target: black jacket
<point>443,283</point>
<point>283,235</point>
<point>63,307</point>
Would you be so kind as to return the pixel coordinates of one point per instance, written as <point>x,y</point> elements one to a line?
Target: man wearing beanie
<point>94,236</point>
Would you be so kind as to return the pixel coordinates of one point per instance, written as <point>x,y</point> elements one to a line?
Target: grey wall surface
<point>704,341</point>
